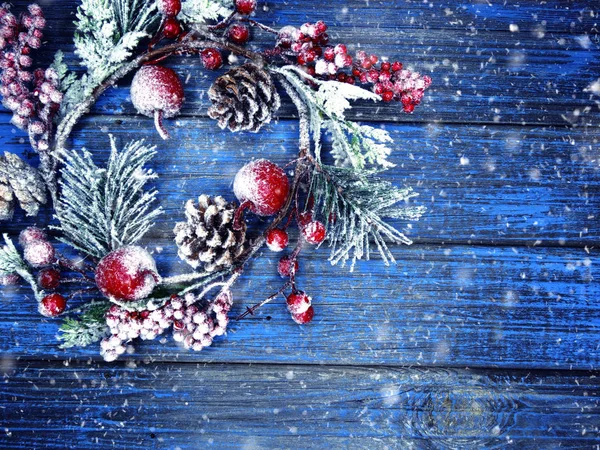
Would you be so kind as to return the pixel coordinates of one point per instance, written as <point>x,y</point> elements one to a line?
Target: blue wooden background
<point>485,334</point>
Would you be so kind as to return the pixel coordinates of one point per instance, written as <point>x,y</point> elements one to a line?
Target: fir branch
<point>199,11</point>
<point>354,145</point>
<point>12,262</point>
<point>354,204</point>
<point>90,327</point>
<point>108,31</point>
<point>101,210</point>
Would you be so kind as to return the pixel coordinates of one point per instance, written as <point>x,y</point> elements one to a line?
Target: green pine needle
<point>353,204</point>
<point>101,210</point>
<point>90,327</point>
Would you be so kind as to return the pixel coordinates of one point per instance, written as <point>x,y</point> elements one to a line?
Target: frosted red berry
<point>169,8</point>
<point>31,234</point>
<point>156,91</point>
<point>245,7</point>
<point>314,232</point>
<point>304,317</point>
<point>52,305</point>
<point>171,28</point>
<point>298,302</point>
<point>211,58</point>
<point>39,253</point>
<point>264,185</point>
<point>387,96</point>
<point>9,279</point>
<point>49,278</point>
<point>287,267</point>
<point>277,240</point>
<point>128,274</point>
<point>238,33</point>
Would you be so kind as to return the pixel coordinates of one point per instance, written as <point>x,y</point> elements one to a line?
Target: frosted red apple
<point>264,185</point>
<point>127,274</point>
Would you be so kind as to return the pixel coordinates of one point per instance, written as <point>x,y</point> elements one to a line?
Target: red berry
<point>384,75</point>
<point>211,58</point>
<point>128,273</point>
<point>341,77</point>
<point>387,96</point>
<point>301,59</point>
<point>39,253</point>
<point>304,218</point>
<point>396,66</point>
<point>171,28</point>
<point>277,240</point>
<point>31,234</point>
<point>245,7</point>
<point>169,8</point>
<point>329,54</point>
<point>49,278</point>
<point>372,75</point>
<point>286,268</point>
<point>156,91</point>
<point>264,184</point>
<point>356,72</point>
<point>298,302</point>
<point>350,80</point>
<point>314,232</point>
<point>52,305</point>
<point>385,66</point>
<point>320,28</point>
<point>238,33</point>
<point>373,59</point>
<point>340,49</point>
<point>366,64</point>
<point>9,279</point>
<point>304,317</point>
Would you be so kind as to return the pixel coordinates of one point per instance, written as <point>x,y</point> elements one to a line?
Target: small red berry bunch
<point>170,27</point>
<point>40,253</point>
<point>309,45</point>
<point>34,97</point>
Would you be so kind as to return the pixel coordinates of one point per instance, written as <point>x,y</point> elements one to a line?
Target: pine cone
<point>245,98</point>
<point>21,181</point>
<point>208,236</point>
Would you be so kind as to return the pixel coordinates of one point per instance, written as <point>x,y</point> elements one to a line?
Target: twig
<point>250,311</point>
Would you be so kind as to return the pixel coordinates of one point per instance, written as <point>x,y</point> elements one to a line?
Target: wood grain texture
<point>441,306</point>
<point>190,406</point>
<point>480,75</point>
<point>481,185</point>
<point>504,153</point>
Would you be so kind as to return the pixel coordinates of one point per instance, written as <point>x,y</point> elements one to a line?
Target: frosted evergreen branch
<point>354,145</point>
<point>90,327</point>
<point>12,262</point>
<point>101,210</point>
<point>354,205</point>
<point>200,11</point>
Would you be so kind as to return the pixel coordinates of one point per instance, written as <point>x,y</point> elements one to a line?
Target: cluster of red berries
<point>263,187</point>
<point>170,27</point>
<point>309,45</point>
<point>195,327</point>
<point>127,325</point>
<point>40,253</point>
<point>33,97</point>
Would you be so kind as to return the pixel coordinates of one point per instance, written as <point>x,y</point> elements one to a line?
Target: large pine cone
<point>244,98</point>
<point>208,237</point>
<point>20,181</point>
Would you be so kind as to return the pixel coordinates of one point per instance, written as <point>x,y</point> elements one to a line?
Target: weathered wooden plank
<point>497,184</point>
<point>485,76</point>
<point>189,406</point>
<point>531,16</point>
<point>440,306</point>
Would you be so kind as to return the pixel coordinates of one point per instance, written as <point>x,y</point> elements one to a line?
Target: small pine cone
<point>244,98</point>
<point>21,181</point>
<point>208,237</point>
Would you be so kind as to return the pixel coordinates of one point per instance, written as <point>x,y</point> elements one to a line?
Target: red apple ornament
<point>156,91</point>
<point>261,186</point>
<point>127,274</point>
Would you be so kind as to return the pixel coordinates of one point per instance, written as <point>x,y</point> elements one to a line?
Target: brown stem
<point>238,217</point>
<point>250,310</point>
<point>158,123</point>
